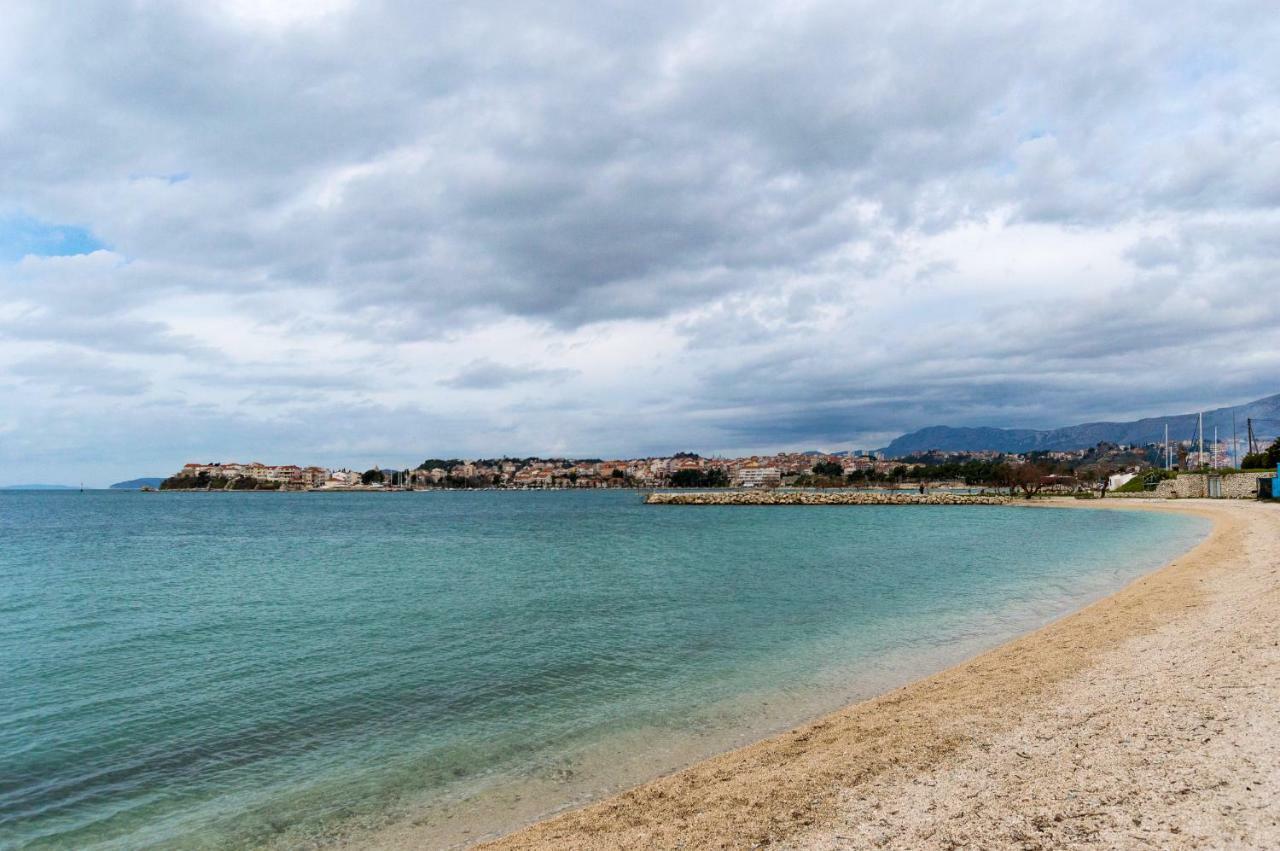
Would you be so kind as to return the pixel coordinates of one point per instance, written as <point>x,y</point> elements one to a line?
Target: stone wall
<point>1196,485</point>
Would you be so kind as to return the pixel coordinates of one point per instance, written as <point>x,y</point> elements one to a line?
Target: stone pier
<point>772,497</point>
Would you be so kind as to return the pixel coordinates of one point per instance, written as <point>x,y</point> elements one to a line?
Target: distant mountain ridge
<point>1146,430</point>
<point>38,487</point>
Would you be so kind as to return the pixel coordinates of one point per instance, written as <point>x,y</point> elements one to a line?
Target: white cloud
<point>276,14</point>
<point>432,228</point>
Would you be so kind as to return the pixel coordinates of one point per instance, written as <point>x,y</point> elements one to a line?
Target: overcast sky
<point>373,232</point>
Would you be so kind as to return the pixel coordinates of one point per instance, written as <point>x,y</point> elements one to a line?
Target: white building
<point>754,477</point>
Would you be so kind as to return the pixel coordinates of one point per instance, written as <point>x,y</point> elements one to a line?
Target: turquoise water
<point>243,670</point>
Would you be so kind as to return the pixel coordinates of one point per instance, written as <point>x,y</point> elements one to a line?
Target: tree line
<point>1266,459</point>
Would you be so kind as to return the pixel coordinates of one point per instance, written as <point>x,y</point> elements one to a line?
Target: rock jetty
<point>772,497</point>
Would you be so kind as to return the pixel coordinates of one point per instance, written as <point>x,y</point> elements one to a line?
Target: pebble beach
<point>1146,720</point>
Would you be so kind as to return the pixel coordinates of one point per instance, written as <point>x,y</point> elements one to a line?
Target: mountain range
<point>38,487</point>
<point>1264,412</point>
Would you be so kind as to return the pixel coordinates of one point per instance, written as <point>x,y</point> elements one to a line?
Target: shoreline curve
<point>834,782</point>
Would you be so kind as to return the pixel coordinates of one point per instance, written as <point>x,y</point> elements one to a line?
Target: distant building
<point>858,463</point>
<point>288,476</point>
<point>753,476</point>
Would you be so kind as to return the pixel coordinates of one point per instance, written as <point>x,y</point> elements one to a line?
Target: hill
<point>1265,413</point>
<point>38,488</point>
<point>137,484</point>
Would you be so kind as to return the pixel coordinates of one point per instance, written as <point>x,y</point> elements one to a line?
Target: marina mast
<point>1235,444</point>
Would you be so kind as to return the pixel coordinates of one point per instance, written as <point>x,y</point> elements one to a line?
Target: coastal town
<point>1117,464</point>
<point>536,473</point>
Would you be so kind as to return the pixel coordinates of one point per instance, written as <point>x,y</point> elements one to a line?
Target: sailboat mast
<point>1201,430</point>
<point>1235,445</point>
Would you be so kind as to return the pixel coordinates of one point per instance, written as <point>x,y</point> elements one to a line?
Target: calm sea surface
<point>243,670</point>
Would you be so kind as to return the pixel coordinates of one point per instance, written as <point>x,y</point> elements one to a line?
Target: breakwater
<point>771,497</point>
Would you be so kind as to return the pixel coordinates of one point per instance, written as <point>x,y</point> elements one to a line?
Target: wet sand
<point>1150,719</point>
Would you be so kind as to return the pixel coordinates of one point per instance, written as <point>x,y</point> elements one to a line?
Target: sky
<point>349,233</point>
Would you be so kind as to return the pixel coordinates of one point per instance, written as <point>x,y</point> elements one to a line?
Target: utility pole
<point>1168,462</point>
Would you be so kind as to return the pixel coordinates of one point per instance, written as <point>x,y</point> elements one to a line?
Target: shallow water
<point>237,670</point>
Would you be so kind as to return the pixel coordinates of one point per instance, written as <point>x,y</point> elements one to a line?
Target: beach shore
<point>1146,720</point>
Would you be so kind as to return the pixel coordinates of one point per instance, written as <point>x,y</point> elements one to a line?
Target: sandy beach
<point>1147,720</point>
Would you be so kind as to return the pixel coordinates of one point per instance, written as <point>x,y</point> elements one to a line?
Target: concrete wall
<point>1196,485</point>
<point>1120,480</point>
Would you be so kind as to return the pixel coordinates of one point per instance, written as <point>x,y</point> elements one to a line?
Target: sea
<point>304,670</point>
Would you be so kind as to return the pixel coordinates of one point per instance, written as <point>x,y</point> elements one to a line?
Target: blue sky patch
<point>21,235</point>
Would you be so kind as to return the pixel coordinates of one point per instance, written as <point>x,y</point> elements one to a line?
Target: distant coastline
<point>1096,469</point>
<point>39,487</point>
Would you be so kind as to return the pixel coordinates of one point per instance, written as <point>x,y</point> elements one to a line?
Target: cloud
<point>483,374</point>
<point>67,374</point>
<point>121,335</point>
<point>762,223</point>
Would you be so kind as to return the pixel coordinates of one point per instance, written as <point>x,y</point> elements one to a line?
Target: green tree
<point>1267,458</point>
<point>686,479</point>
<point>828,469</point>
<point>715,477</point>
<point>371,476</point>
